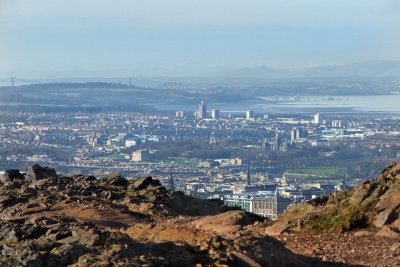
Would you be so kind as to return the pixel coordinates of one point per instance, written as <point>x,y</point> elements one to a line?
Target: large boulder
<point>11,175</point>
<point>143,183</point>
<point>227,222</point>
<point>36,172</point>
<point>115,179</point>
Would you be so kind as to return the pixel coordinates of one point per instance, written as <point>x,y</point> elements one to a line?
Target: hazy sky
<point>103,38</point>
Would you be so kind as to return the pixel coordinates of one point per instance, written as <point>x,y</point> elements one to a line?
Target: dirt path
<point>367,250</point>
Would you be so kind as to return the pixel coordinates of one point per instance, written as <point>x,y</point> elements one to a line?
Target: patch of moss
<point>295,212</point>
<point>337,220</point>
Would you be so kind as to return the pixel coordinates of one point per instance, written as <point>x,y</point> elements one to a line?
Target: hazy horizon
<point>198,38</point>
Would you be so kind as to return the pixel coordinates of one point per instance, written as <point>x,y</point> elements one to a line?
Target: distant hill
<point>174,85</point>
<point>382,68</point>
<point>101,97</point>
<point>262,71</point>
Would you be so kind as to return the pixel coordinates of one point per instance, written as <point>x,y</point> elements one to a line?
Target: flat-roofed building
<point>141,155</point>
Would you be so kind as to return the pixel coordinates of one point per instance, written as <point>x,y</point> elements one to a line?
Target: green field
<point>114,156</point>
<point>192,162</point>
<point>317,173</point>
<point>318,170</point>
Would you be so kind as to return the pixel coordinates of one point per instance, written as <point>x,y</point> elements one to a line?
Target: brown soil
<point>225,223</point>
<point>81,221</point>
<point>366,249</point>
<point>105,216</point>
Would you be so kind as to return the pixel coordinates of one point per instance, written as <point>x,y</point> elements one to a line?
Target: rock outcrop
<point>75,220</point>
<point>374,205</point>
<point>115,179</point>
<point>12,175</point>
<point>37,172</point>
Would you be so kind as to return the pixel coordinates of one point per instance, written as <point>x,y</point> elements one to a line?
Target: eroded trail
<point>368,249</point>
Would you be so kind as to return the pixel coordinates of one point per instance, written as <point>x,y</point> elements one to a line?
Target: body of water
<point>376,105</point>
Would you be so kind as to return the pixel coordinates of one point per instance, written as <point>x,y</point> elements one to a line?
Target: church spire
<point>248,174</point>
<point>171,181</point>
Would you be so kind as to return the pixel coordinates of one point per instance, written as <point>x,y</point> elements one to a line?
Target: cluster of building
<point>135,144</point>
<point>215,113</point>
<point>264,195</point>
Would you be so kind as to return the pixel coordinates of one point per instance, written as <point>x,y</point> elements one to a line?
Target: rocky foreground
<point>358,226</point>
<point>373,205</point>
<point>75,220</point>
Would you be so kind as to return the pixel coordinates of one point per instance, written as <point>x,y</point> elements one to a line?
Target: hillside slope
<point>368,69</point>
<point>102,97</point>
<point>74,220</point>
<point>358,226</point>
<point>373,205</point>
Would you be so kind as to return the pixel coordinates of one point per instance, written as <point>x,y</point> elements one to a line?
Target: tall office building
<point>140,155</point>
<point>180,114</point>
<point>317,118</point>
<point>250,114</point>
<point>215,114</point>
<point>298,133</point>
<point>202,111</point>
<point>336,124</point>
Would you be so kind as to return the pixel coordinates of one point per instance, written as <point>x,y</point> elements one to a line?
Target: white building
<point>337,124</point>
<point>180,114</point>
<point>141,155</point>
<point>215,114</point>
<point>317,118</point>
<point>130,143</point>
<point>250,114</point>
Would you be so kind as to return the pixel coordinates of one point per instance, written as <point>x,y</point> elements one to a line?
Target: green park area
<point>114,156</point>
<point>192,162</point>
<point>317,173</point>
